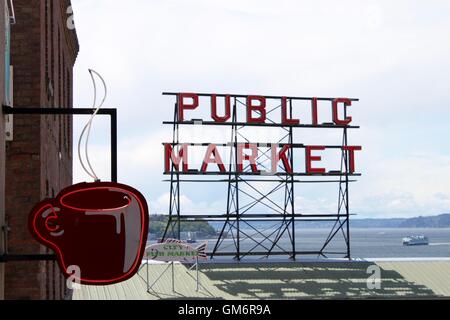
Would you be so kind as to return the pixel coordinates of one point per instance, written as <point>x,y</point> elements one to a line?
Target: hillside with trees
<point>158,224</point>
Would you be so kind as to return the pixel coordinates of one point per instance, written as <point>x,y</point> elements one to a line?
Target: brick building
<point>3,52</point>
<point>44,48</point>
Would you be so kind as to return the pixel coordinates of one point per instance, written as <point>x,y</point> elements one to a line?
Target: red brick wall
<point>2,144</point>
<point>38,163</point>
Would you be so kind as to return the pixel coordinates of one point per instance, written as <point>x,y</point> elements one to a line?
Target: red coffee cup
<point>100,228</point>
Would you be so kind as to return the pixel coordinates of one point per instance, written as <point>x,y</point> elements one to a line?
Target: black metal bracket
<point>76,111</point>
<point>64,111</point>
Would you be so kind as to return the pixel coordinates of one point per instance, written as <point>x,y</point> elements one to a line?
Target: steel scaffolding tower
<point>237,221</point>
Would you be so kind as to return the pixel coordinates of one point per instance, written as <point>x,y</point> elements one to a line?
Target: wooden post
<point>198,279</point>
<point>173,277</point>
<point>148,280</point>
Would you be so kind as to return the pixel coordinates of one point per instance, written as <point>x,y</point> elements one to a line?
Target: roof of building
<point>296,280</point>
<point>434,275</point>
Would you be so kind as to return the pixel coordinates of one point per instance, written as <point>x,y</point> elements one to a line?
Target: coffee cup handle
<point>44,221</point>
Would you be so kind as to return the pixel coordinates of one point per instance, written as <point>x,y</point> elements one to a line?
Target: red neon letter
<point>276,157</point>
<point>252,158</point>
<point>284,115</point>
<point>336,120</point>
<point>261,109</point>
<point>314,112</point>
<point>184,106</point>
<point>176,160</point>
<point>310,158</point>
<point>212,157</point>
<point>351,156</point>
<point>214,115</point>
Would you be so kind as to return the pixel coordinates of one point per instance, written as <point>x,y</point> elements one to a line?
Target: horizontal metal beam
<point>263,174</point>
<point>245,124</point>
<point>56,111</point>
<point>267,97</point>
<point>261,217</point>
<point>258,144</point>
<point>256,180</point>
<point>233,254</point>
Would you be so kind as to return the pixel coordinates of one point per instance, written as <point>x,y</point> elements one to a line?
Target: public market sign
<point>177,156</point>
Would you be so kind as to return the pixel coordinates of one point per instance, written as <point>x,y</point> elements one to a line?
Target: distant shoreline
<point>433,222</point>
<point>439,222</point>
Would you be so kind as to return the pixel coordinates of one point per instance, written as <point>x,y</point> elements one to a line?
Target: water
<point>387,243</point>
<point>365,243</point>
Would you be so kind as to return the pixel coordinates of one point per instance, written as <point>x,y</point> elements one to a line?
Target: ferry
<point>189,236</point>
<point>416,241</point>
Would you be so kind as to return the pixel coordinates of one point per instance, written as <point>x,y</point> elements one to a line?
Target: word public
<point>248,154</point>
<point>256,109</point>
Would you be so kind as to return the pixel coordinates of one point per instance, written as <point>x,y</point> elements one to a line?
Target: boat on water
<point>416,241</point>
<point>189,236</point>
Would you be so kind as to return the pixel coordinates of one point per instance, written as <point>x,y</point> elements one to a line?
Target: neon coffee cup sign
<point>101,228</point>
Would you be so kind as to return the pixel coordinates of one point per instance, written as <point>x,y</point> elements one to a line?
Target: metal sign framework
<point>29,111</point>
<point>237,221</point>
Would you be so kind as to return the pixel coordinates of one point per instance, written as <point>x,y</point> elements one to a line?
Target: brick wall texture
<point>39,160</point>
<point>2,145</point>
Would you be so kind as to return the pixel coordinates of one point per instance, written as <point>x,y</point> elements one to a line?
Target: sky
<point>392,55</point>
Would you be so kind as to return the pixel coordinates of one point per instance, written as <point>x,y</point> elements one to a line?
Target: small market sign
<point>173,250</point>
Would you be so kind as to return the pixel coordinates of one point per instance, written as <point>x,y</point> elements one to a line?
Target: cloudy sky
<point>392,55</point>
